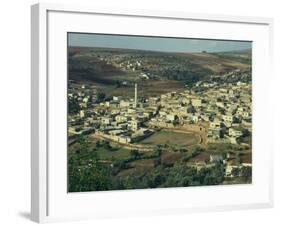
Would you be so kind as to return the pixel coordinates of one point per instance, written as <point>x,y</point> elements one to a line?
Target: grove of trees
<point>90,174</point>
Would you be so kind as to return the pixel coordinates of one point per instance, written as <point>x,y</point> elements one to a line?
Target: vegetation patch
<point>166,137</point>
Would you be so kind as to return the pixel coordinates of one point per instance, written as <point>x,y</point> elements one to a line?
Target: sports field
<point>169,137</point>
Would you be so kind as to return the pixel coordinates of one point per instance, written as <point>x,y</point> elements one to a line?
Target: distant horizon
<point>156,44</point>
<point>145,50</point>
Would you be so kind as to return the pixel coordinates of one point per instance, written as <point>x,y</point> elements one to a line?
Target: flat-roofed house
<point>106,120</point>
<point>237,132</point>
<point>216,158</point>
<point>196,102</point>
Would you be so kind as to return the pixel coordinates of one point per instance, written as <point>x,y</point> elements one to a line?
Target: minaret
<point>136,94</point>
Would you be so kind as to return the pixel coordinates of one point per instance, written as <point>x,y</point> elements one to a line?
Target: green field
<point>179,139</point>
<point>116,154</point>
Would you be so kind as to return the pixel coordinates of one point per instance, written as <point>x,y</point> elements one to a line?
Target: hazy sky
<point>155,43</point>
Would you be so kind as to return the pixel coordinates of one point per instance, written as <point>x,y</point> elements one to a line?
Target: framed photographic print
<point>142,112</point>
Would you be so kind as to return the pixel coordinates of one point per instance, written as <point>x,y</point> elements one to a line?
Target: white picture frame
<point>48,204</point>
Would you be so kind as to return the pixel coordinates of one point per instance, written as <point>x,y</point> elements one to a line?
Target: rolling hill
<point>106,67</point>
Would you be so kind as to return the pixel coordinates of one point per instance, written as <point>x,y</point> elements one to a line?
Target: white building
<point>106,120</point>
<point>124,103</point>
<point>228,118</point>
<point>82,114</point>
<point>171,117</point>
<point>216,158</point>
<point>235,132</point>
<point>196,102</point>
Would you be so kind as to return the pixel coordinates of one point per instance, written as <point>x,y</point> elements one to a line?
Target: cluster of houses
<point>223,108</point>
<point>119,119</point>
<point>232,166</point>
<point>231,105</point>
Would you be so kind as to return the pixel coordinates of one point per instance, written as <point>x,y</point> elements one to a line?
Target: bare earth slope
<point>116,70</point>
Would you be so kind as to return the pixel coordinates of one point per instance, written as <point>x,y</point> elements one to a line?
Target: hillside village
<point>218,109</point>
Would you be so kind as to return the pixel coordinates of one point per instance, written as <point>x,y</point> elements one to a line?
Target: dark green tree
<point>100,96</point>
<point>135,154</point>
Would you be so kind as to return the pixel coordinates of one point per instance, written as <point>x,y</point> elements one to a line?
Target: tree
<point>176,121</point>
<point>95,178</point>
<point>100,96</point>
<point>235,172</point>
<point>157,162</point>
<point>238,159</point>
<point>211,176</point>
<point>118,84</point>
<point>73,106</point>
<point>135,154</point>
<point>196,150</point>
<point>246,173</point>
<point>158,152</point>
<point>191,109</point>
<point>106,145</point>
<point>83,144</point>
<point>98,144</point>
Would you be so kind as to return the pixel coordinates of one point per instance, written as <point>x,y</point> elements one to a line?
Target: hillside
<point>110,65</point>
<point>243,56</point>
<point>109,69</point>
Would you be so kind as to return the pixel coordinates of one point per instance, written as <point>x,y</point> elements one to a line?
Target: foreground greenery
<point>87,172</point>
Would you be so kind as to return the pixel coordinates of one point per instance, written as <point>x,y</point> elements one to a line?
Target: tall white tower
<point>136,94</point>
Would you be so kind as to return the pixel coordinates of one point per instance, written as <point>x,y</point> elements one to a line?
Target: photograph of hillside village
<point>158,112</point>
